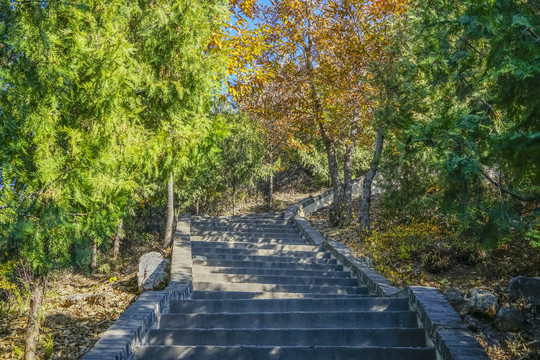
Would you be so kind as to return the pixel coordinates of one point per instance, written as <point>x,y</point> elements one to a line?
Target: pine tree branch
<point>40,191</point>
<point>531,31</point>
<point>508,191</point>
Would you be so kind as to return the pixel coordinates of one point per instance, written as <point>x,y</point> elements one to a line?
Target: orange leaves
<point>307,66</point>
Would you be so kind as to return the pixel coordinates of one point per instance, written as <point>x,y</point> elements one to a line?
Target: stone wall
<point>315,203</point>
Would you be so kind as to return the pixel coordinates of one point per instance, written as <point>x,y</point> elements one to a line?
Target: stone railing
<point>315,203</point>
<point>129,331</point>
<point>444,328</point>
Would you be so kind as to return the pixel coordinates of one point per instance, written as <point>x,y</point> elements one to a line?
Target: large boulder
<point>153,271</point>
<point>524,287</point>
<point>483,303</point>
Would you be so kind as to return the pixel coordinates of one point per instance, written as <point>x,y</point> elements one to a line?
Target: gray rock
<point>483,303</point>
<point>524,287</point>
<point>153,271</point>
<point>471,323</point>
<point>454,297</point>
<point>510,319</point>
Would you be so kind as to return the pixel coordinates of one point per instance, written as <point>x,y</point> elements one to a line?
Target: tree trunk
<point>347,167</point>
<point>93,263</point>
<point>234,200</point>
<point>116,244</point>
<point>336,213</point>
<point>33,325</point>
<point>368,180</point>
<point>271,184</point>
<point>197,206</point>
<point>347,180</point>
<point>170,213</point>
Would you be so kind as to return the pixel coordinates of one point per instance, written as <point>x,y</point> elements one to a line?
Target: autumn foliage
<point>305,70</point>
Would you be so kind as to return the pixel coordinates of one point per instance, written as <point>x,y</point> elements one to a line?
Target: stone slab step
<point>283,353</point>
<point>202,269</point>
<point>233,226</point>
<point>246,235</point>
<point>247,239</point>
<point>248,295</point>
<point>242,230</point>
<point>289,305</point>
<point>265,252</point>
<point>289,337</point>
<point>316,258</point>
<point>298,320</point>
<point>293,288</point>
<point>274,279</point>
<point>268,264</point>
<point>252,246</point>
<point>252,222</point>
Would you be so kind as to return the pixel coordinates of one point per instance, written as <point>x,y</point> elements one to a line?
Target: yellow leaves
<point>279,67</point>
<point>6,270</point>
<point>246,7</point>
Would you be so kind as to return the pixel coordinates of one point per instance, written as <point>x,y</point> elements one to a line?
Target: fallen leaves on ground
<point>76,310</point>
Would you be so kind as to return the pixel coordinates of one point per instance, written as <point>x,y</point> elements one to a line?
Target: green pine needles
<point>99,99</point>
<point>466,145</point>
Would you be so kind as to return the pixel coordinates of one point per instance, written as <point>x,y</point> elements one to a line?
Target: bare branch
<point>531,31</point>
<point>508,191</point>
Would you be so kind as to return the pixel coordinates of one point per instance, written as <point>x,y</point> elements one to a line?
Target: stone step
<point>316,258</point>
<point>273,279</point>
<point>252,246</point>
<point>389,337</point>
<point>293,288</point>
<point>202,269</point>
<point>251,239</point>
<point>243,230</point>
<point>289,305</point>
<point>233,226</point>
<point>284,353</point>
<point>238,230</point>
<point>247,222</point>
<point>268,265</point>
<point>299,320</point>
<point>247,295</point>
<point>266,252</point>
<point>248,234</point>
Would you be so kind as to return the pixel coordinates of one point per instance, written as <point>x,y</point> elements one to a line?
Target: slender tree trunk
<point>117,239</point>
<point>347,180</point>
<point>33,325</point>
<point>368,180</point>
<point>347,167</point>
<point>197,206</point>
<point>271,184</point>
<point>93,263</point>
<point>234,199</point>
<point>170,213</point>
<point>337,209</point>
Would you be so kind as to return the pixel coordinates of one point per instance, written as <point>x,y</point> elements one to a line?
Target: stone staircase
<point>260,291</point>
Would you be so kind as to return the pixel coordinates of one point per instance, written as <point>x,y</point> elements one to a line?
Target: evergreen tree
<point>182,69</point>
<point>470,114</point>
<point>98,99</point>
